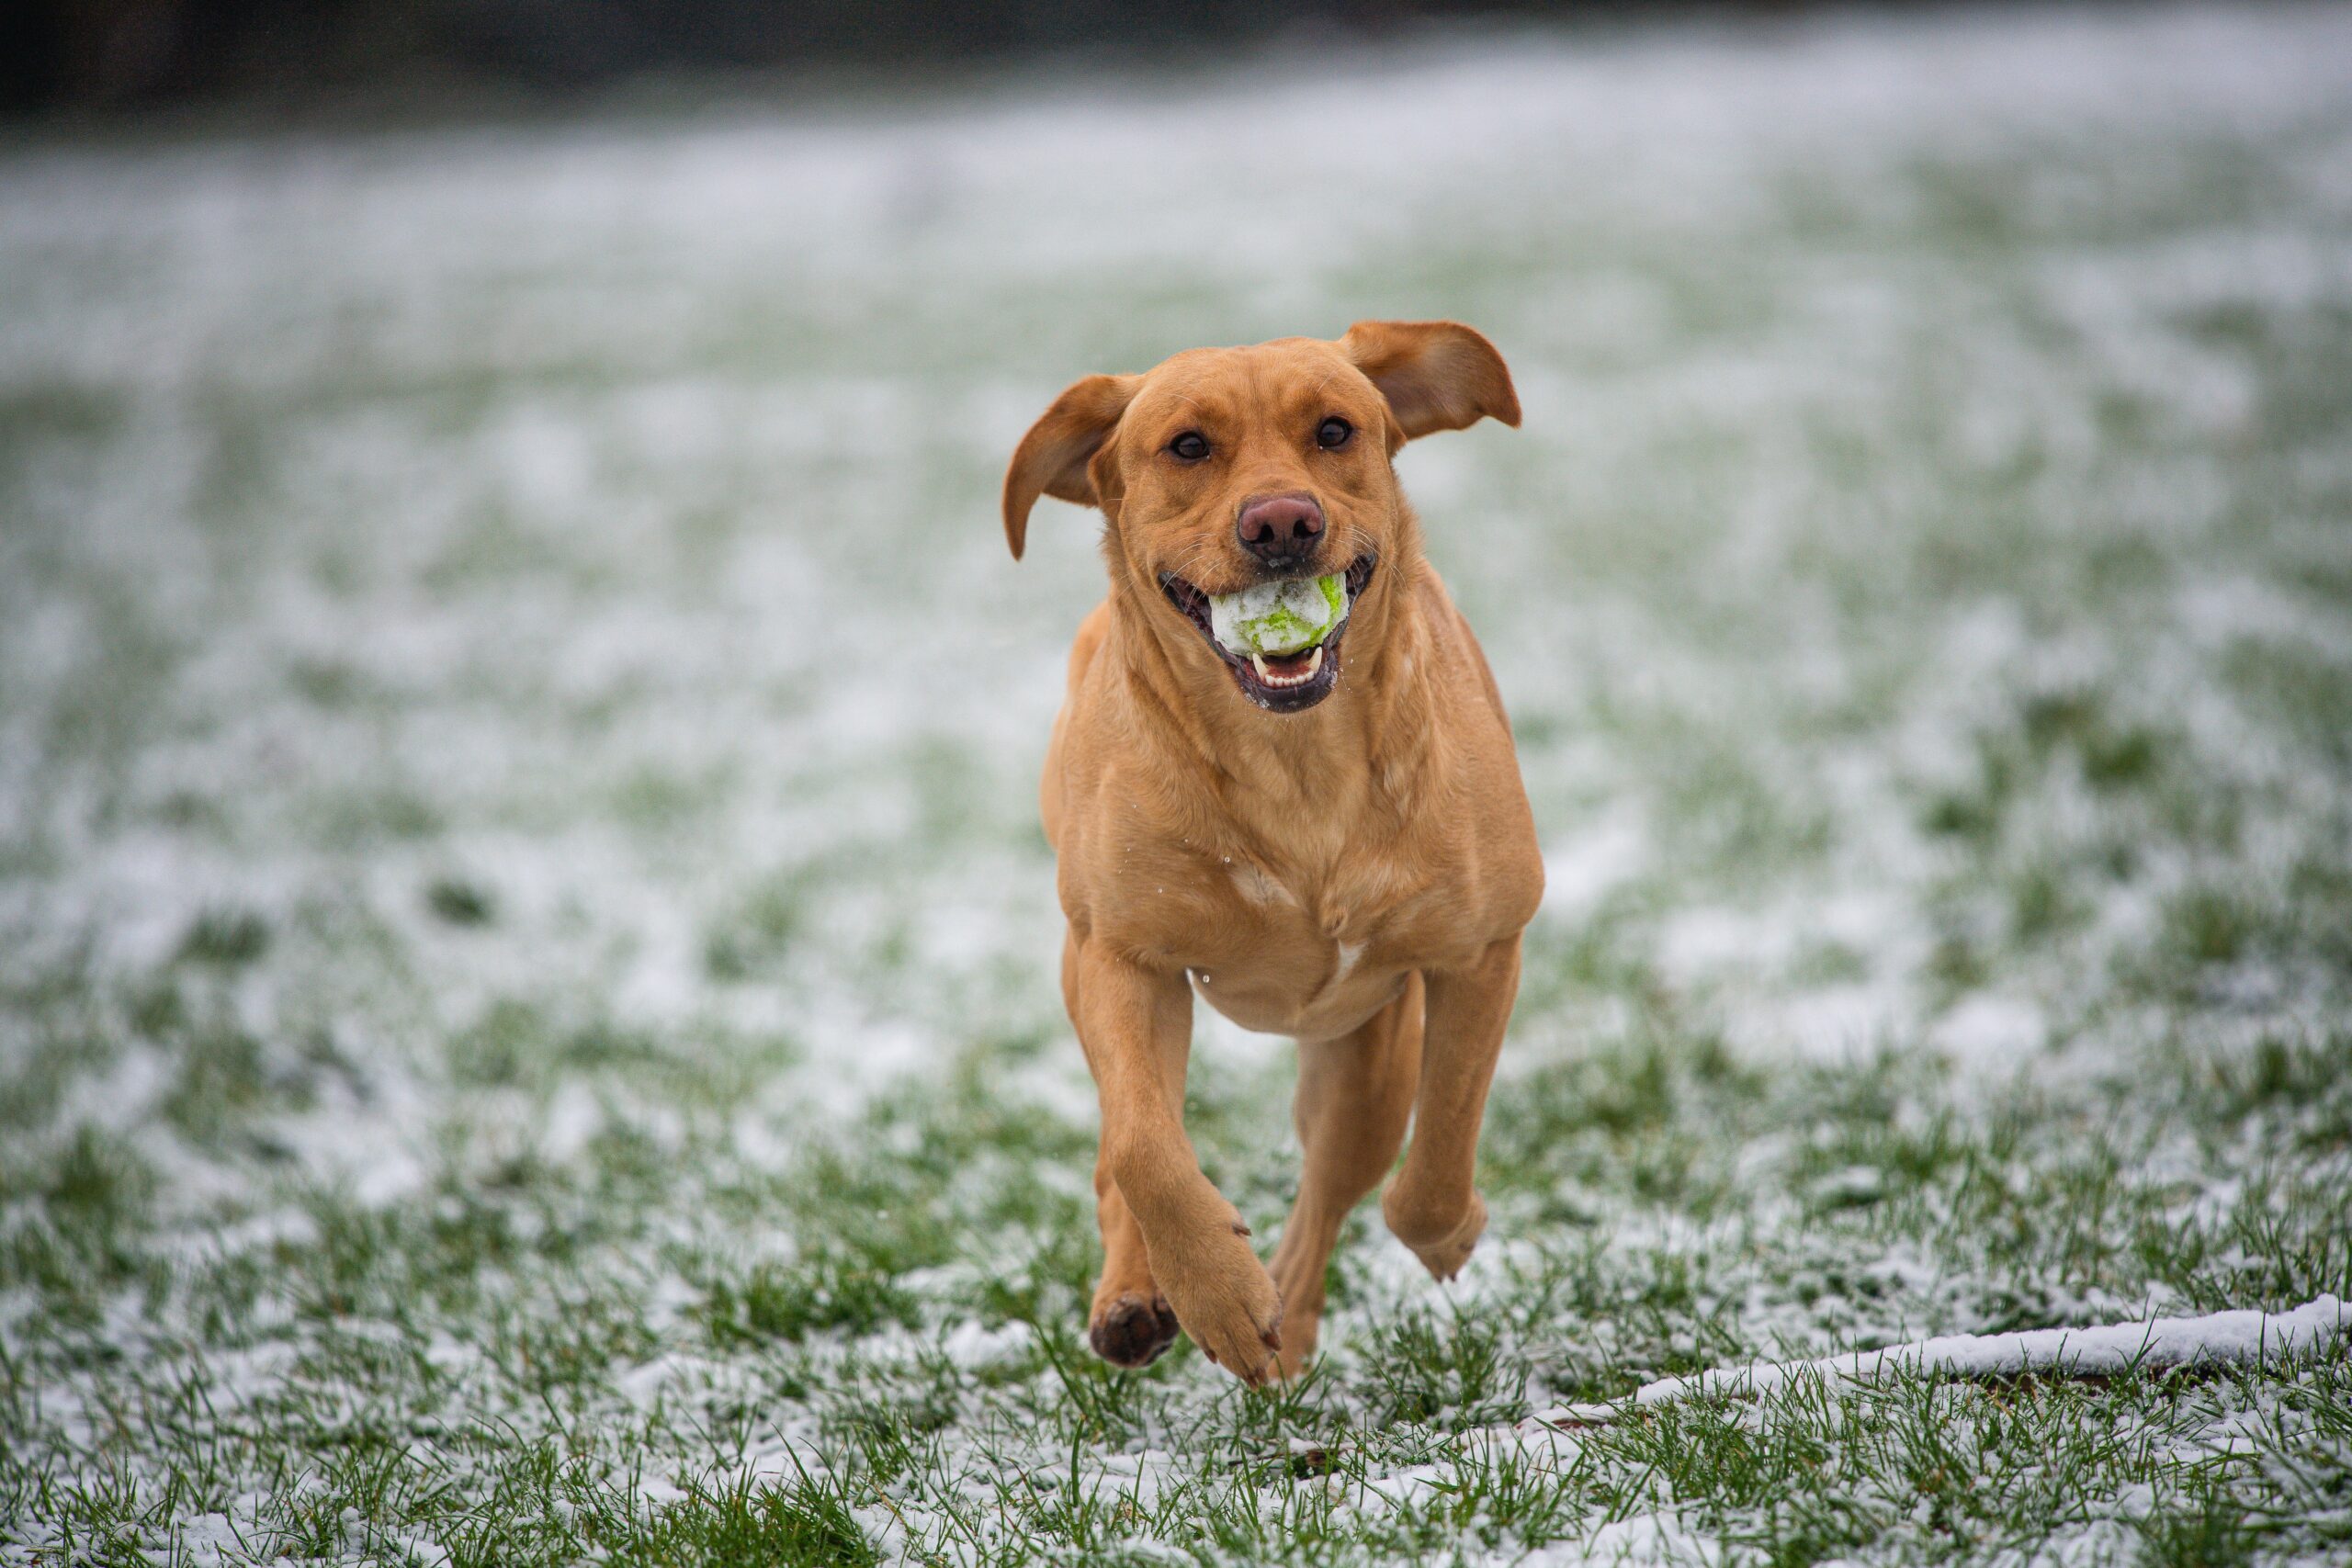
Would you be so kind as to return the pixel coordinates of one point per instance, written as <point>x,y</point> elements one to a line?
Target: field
<point>528,1029</point>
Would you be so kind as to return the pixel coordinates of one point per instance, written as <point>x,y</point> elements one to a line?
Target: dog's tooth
<point>1314,664</point>
<point>1259,660</point>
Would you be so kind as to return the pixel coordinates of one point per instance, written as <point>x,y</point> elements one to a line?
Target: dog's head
<point>1226,470</point>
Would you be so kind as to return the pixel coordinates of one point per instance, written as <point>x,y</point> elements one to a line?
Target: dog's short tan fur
<point>1356,874</point>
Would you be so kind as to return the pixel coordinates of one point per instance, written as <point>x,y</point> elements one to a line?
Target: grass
<point>527,1038</point>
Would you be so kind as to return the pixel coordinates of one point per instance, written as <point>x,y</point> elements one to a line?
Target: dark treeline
<point>81,57</point>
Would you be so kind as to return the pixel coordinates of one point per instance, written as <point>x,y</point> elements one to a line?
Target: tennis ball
<point>1280,619</point>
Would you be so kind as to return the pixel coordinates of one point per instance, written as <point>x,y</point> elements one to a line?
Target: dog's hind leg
<point>1432,1206</point>
<point>1355,1095</point>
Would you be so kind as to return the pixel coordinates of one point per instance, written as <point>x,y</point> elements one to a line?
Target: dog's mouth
<point>1289,682</point>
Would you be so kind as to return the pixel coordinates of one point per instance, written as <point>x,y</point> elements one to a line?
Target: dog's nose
<point>1280,529</point>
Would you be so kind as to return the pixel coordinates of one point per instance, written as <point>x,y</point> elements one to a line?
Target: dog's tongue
<point>1279,619</point>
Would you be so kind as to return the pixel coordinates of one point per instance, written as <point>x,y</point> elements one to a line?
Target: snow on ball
<point>1276,618</point>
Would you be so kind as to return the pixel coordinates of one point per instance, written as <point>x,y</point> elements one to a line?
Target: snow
<point>1987,1033</point>
<point>1580,872</point>
<point>973,1346</point>
<point>2163,1344</point>
<point>1636,1542</point>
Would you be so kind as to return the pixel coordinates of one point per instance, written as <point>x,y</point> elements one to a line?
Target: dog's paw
<point>1441,1249</point>
<point>1133,1331</point>
<point>1228,1303</point>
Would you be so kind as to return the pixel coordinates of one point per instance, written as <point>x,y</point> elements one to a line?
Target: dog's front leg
<point>1433,1205</point>
<point>1136,1024</point>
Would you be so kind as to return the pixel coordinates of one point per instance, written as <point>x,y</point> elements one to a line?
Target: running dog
<point>1331,843</point>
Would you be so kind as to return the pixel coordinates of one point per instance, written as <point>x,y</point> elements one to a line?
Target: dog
<point>1334,845</point>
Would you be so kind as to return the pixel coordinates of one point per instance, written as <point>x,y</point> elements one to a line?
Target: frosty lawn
<point>518,1046</point>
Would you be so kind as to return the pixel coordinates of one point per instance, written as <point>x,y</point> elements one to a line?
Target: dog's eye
<point>1333,433</point>
<point>1191,446</point>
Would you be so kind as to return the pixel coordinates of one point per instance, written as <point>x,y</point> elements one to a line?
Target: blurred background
<point>111,54</point>
<point>517,721</point>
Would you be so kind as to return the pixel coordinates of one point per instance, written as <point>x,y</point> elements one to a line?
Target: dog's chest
<point>1345,906</point>
<point>1313,959</point>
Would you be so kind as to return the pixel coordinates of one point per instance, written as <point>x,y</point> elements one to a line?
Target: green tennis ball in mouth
<point>1277,619</point>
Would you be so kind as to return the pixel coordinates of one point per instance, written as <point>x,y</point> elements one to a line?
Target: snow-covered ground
<point>2099,1350</point>
<point>517,1014</point>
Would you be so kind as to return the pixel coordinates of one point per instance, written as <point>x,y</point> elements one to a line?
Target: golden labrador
<point>1333,844</point>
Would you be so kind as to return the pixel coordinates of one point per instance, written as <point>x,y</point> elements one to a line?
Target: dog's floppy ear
<point>1435,375</point>
<point>1052,459</point>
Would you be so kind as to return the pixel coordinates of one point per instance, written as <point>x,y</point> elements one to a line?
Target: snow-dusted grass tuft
<point>519,1046</point>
